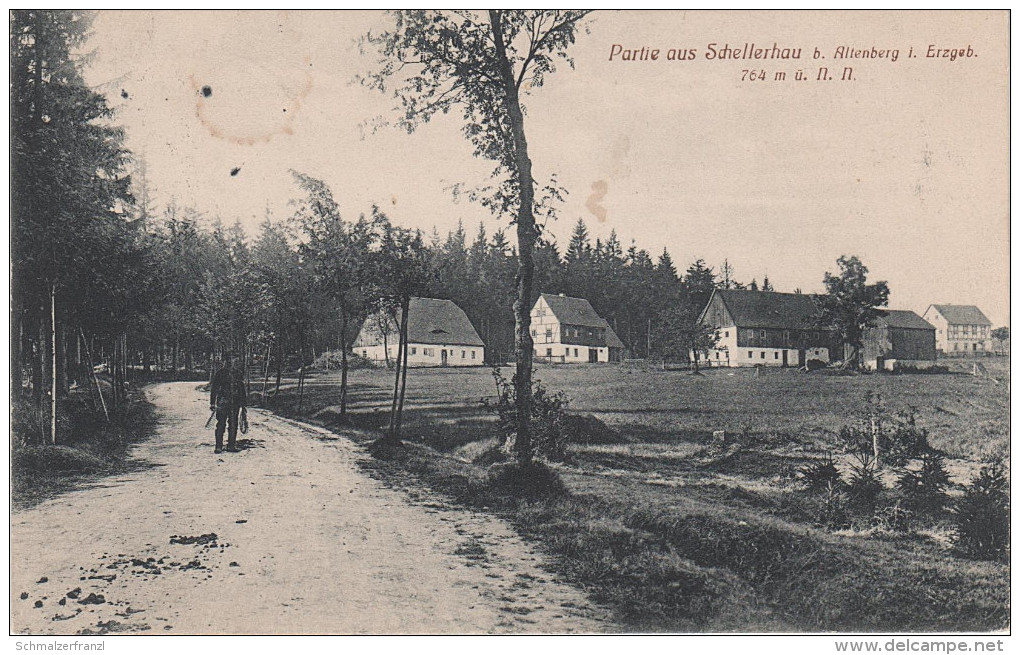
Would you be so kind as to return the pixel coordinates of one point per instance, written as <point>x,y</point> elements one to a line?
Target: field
<point>677,532</point>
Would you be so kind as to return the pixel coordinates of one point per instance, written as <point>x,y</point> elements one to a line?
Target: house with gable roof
<point>767,328</point>
<point>960,329</point>
<point>439,333</point>
<point>569,330</point>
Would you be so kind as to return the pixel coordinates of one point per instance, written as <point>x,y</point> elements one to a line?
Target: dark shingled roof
<point>429,320</point>
<point>963,314</point>
<point>612,340</point>
<point>574,311</point>
<point>769,309</point>
<point>904,318</point>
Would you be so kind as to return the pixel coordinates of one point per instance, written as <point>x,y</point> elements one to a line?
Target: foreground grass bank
<point>674,533</point>
<point>90,447</point>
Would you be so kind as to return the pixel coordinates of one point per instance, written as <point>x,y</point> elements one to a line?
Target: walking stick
<point>209,420</point>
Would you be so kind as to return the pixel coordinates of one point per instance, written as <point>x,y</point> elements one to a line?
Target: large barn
<point>439,333</point>
<point>901,339</point>
<point>766,328</point>
<point>569,330</point>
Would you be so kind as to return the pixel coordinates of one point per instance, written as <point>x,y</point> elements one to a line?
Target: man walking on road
<point>228,395</point>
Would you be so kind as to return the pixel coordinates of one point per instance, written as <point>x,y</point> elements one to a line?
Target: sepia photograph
<point>509,322</point>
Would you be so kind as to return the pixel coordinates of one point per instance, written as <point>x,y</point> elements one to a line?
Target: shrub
<point>893,518</point>
<point>549,418</point>
<point>331,359</point>
<point>833,514</point>
<point>534,480</point>
<point>981,516</point>
<point>821,474</point>
<point>56,459</point>
<point>925,489</point>
<point>586,429</point>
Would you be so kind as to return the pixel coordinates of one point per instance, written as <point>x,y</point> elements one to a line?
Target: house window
<point>575,352</point>
<point>726,333</point>
<point>548,335</point>
<point>472,354</point>
<point>534,333</point>
<point>750,354</point>
<point>428,352</point>
<point>777,355</point>
<point>548,352</point>
<point>762,335</point>
<point>414,350</point>
<point>364,353</point>
<point>763,354</point>
<point>463,354</point>
<point>717,354</point>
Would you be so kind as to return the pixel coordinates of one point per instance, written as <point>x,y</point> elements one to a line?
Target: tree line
<point>102,276</point>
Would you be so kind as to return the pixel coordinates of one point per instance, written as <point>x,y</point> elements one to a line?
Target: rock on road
<point>287,536</point>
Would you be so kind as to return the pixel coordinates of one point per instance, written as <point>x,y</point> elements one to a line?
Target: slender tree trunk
<point>301,370</point>
<point>38,361</point>
<point>526,235</point>
<point>95,378</point>
<point>17,325</point>
<point>53,370</point>
<point>403,379</point>
<point>394,434</point>
<point>279,359</point>
<point>343,363</point>
<point>63,374</point>
<point>265,371</point>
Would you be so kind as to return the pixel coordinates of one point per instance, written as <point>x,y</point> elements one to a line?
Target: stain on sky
<point>206,91</point>
<point>234,171</point>
<point>123,94</point>
<point>599,189</point>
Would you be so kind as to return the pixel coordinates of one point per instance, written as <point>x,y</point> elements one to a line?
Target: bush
<point>864,485</point>
<point>893,518</point>
<point>56,459</point>
<point>331,359</point>
<point>832,514</point>
<point>821,474</point>
<point>549,418</point>
<point>981,516</point>
<point>925,489</point>
<point>586,429</point>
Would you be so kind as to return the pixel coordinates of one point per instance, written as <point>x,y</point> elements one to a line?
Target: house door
<point>785,359</point>
<point>802,357</point>
<point>445,356</point>
<point>593,355</point>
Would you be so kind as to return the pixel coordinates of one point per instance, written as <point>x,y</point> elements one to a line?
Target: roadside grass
<point>677,533</point>
<point>90,447</point>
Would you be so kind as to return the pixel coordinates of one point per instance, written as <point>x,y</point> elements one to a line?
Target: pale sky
<point>906,166</point>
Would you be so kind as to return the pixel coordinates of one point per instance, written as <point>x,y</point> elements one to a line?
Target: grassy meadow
<point>676,532</point>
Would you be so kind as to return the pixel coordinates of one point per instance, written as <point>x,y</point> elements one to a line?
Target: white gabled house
<point>960,329</point>
<point>766,328</point>
<point>569,330</point>
<point>439,333</point>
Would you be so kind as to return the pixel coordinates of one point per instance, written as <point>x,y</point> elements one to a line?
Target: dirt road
<point>287,536</point>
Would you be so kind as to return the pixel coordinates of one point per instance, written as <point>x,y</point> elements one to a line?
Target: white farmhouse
<point>959,328</point>
<point>439,333</point>
<point>766,328</point>
<point>568,330</point>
